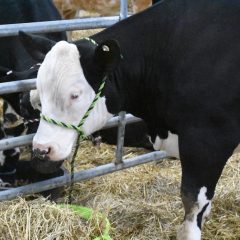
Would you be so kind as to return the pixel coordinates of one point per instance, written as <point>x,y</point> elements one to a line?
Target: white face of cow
<point>65,96</point>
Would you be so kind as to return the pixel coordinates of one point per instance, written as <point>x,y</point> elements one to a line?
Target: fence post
<point>120,137</point>
<point>122,115</point>
<point>123,9</point>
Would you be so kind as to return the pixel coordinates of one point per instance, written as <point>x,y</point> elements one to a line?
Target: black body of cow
<point>180,73</point>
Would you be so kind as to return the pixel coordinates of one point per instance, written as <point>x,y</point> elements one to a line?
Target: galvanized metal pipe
<point>27,139</point>
<point>17,86</point>
<point>57,26</point>
<point>120,137</point>
<point>123,9</point>
<point>80,176</point>
<point>114,121</point>
<point>14,142</point>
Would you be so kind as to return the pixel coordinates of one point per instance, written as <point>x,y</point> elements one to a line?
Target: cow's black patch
<point>200,215</point>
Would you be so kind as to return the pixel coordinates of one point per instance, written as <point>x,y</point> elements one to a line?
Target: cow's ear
<point>34,99</point>
<point>108,55</point>
<point>36,46</point>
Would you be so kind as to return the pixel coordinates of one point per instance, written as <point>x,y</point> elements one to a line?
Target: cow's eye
<point>74,96</point>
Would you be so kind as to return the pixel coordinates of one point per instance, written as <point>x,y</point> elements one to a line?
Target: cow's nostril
<point>37,153</point>
<point>48,150</point>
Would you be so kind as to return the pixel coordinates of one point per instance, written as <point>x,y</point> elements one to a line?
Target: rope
<point>72,170</point>
<point>78,128</point>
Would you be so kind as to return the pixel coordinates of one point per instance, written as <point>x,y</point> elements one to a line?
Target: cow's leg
<point>203,154</point>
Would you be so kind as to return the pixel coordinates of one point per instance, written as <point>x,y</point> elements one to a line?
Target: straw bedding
<point>142,203</point>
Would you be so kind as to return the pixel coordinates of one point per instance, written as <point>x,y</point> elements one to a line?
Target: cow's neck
<point>141,85</point>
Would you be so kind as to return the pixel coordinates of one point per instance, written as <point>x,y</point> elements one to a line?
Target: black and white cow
<point>21,116</point>
<point>179,72</point>
<point>17,62</point>
<point>14,56</point>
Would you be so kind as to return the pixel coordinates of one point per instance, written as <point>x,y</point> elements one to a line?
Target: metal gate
<point>26,85</point>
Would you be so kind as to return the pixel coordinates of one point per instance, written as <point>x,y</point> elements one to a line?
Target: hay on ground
<point>41,219</point>
<point>141,203</point>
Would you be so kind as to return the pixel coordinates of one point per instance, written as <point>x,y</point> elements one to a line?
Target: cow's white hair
<point>170,144</point>
<point>35,100</point>
<point>59,76</point>
<point>189,229</point>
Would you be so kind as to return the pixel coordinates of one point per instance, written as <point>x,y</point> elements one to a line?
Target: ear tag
<point>9,72</point>
<point>105,48</point>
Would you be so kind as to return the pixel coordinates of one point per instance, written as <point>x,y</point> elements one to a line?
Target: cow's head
<point>67,82</point>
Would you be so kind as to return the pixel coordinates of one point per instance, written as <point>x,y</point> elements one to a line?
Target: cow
<point>179,72</point>
<point>136,134</point>
<point>21,116</point>
<point>14,56</point>
<point>21,113</point>
<point>70,8</point>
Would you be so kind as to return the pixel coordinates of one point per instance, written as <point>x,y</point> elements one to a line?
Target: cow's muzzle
<point>42,164</point>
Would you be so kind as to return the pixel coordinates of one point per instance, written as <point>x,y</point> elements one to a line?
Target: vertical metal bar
<point>122,115</point>
<point>123,9</point>
<point>120,140</point>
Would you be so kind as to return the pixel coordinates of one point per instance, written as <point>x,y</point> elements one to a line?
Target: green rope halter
<point>78,128</point>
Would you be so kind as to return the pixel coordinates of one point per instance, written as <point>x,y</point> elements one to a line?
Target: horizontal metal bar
<point>114,121</point>
<point>80,176</point>
<point>27,139</point>
<point>17,86</point>
<point>13,142</point>
<point>57,26</point>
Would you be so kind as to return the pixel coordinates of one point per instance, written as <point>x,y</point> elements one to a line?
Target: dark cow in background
<point>19,117</point>
<point>9,75</point>
<point>14,56</point>
<point>179,72</point>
